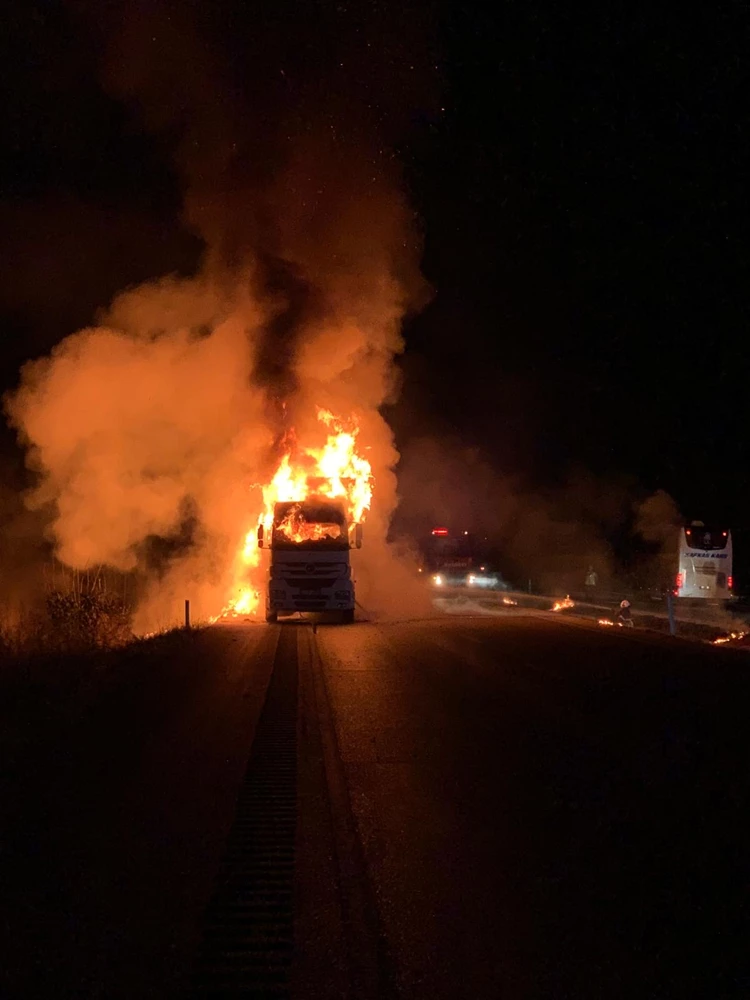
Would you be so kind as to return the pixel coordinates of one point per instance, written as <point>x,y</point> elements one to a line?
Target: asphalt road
<point>508,807</point>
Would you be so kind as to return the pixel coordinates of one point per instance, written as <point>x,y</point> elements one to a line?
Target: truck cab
<point>310,569</point>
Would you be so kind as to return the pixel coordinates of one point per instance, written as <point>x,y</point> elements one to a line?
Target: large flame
<point>297,529</point>
<point>333,469</point>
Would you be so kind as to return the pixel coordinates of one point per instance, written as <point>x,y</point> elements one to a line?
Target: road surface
<point>510,807</point>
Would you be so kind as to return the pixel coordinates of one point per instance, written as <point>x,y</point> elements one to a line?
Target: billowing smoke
<point>152,430</point>
<point>658,518</point>
<point>547,535</point>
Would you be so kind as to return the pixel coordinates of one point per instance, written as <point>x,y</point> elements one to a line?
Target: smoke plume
<point>549,536</point>
<point>152,430</point>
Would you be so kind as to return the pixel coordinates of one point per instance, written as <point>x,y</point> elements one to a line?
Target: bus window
<point>706,539</point>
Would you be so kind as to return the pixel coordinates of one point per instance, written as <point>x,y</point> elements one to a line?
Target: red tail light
<point>730,582</point>
<point>679,580</point>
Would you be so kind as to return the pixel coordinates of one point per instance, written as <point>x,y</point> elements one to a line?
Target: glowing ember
<point>731,637</point>
<point>562,605</point>
<point>334,469</point>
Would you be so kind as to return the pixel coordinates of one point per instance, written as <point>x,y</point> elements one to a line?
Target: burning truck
<point>313,510</point>
<point>309,544</point>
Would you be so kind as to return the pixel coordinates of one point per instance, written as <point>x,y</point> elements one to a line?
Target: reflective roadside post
<point>670,612</point>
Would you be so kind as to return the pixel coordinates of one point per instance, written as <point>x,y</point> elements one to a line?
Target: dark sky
<point>579,172</point>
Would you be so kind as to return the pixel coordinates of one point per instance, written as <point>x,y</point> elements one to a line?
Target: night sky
<point>579,174</point>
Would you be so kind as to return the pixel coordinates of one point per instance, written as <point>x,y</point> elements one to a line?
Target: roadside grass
<point>56,657</point>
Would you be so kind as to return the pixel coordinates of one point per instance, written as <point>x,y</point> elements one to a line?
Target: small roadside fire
<point>508,602</point>
<point>731,637</point>
<point>607,622</point>
<point>246,602</point>
<point>335,470</point>
<point>562,605</point>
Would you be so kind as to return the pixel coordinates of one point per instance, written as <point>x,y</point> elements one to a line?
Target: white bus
<point>705,563</point>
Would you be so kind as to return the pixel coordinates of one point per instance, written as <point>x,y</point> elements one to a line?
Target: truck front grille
<point>294,570</point>
<point>309,582</point>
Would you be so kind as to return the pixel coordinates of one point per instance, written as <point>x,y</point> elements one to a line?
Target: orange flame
<point>561,605</point>
<point>297,529</point>
<point>247,600</point>
<point>336,469</point>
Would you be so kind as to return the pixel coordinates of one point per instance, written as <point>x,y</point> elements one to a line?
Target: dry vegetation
<point>75,613</point>
<point>61,651</point>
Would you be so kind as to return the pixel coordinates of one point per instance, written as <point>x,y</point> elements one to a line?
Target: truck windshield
<point>309,526</point>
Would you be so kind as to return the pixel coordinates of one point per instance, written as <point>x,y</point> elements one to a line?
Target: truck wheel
<point>347,617</point>
<point>272,617</point>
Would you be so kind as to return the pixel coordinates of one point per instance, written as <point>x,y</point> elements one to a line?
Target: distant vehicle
<point>704,563</point>
<point>452,560</point>
<point>310,568</point>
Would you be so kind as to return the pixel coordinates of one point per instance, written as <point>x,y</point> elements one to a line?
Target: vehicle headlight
<point>437,580</point>
<point>472,579</point>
